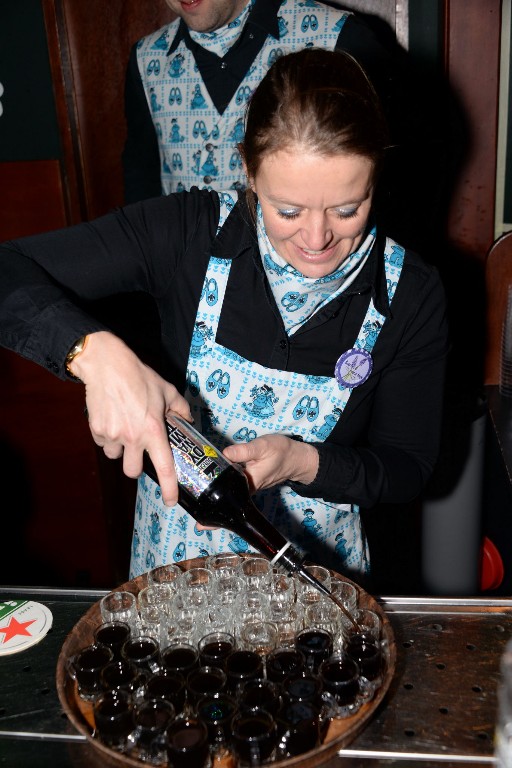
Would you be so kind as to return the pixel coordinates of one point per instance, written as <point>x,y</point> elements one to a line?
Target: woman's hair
<point>319,102</point>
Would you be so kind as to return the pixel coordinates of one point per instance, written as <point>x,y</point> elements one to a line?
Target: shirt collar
<point>262,15</point>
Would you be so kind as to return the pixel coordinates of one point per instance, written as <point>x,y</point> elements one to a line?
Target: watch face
<point>353,368</point>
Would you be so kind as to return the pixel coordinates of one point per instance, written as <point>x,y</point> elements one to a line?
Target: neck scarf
<point>299,297</point>
<point>221,40</point>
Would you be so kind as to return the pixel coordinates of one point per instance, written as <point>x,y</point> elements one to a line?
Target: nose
<point>316,232</point>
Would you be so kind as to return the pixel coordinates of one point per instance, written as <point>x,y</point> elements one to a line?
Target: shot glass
<point>122,675</point>
<point>143,651</point>
<point>282,662</point>
<point>113,719</point>
<point>119,606</point>
<point>180,657</point>
<point>298,726</point>
<point>323,615</point>
<point>257,573</point>
<point>254,737</point>
<point>217,711</point>
<point>196,587</point>
<point>167,685</point>
<point>151,718</point>
<point>259,636</point>
<point>304,686</point>
<point>340,678</point>
<point>112,634</point>
<point>204,681</point>
<point>251,605</point>
<point>226,589</point>
<point>316,644</point>
<point>86,669</point>
<point>368,622</point>
<point>242,665</point>
<point>260,693</point>
<point>282,591</point>
<point>187,743</point>
<point>345,592</point>
<point>306,592</point>
<point>369,656</point>
<point>168,575</point>
<point>224,565</point>
<point>215,647</point>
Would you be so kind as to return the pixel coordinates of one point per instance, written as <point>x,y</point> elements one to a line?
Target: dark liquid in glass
<point>282,663</point>
<point>216,652</point>
<point>180,659</point>
<point>113,635</point>
<point>315,644</point>
<point>187,743</point>
<point>170,687</point>
<point>341,678</point>
<point>254,738</point>
<point>113,719</point>
<point>366,652</point>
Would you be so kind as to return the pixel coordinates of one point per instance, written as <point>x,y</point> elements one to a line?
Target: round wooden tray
<point>339,734</point>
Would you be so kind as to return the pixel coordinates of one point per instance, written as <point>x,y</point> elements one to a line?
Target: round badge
<point>353,368</point>
<point>22,623</point>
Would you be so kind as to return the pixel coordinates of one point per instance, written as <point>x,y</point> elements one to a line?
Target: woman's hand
<point>274,459</point>
<point>127,403</point>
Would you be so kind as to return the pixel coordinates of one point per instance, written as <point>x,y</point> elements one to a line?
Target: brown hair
<point>319,101</point>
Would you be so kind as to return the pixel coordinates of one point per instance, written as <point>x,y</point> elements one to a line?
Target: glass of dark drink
<point>254,737</point>
<point>283,662</point>
<point>298,724</point>
<point>259,693</point>
<point>143,651</point>
<point>113,718</point>
<point>215,647</point>
<point>242,665</point>
<point>86,669</point>
<point>316,644</point>
<point>151,718</point>
<point>217,711</point>
<point>367,652</point>
<point>187,743</point>
<point>113,634</point>
<point>167,685</point>
<point>204,681</point>
<point>180,657</point>
<point>340,678</point>
<point>123,675</point>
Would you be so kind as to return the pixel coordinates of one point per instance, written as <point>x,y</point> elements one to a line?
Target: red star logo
<point>14,628</point>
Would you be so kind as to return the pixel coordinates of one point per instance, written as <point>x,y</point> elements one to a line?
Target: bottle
<point>503,732</point>
<point>215,492</point>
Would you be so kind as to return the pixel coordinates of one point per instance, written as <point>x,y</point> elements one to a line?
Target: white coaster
<point>22,623</point>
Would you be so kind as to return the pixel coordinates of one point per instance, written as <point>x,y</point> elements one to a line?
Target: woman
<point>293,331</point>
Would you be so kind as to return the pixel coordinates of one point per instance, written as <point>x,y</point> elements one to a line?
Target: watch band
<point>75,350</point>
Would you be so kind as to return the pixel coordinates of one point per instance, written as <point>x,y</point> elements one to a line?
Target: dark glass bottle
<point>216,492</point>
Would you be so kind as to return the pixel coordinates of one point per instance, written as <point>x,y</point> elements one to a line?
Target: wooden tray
<point>339,734</point>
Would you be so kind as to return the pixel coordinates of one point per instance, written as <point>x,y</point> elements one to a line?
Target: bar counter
<point>440,709</point>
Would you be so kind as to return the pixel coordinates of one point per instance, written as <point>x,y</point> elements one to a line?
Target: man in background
<point>189,82</point>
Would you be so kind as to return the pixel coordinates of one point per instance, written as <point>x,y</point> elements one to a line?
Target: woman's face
<point>315,208</point>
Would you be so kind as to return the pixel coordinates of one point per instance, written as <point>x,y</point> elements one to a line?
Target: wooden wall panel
<point>31,198</point>
<point>472,51</point>
<point>94,40</point>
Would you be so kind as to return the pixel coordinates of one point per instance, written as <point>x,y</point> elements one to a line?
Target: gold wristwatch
<point>75,350</point>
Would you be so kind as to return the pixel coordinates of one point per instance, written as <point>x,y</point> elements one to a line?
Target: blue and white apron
<point>198,146</point>
<point>235,400</point>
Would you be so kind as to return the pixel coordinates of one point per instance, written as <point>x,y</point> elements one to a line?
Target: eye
<point>347,213</point>
<point>291,213</point>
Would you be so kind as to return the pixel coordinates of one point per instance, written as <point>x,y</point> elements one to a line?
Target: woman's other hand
<point>274,459</point>
<point>127,403</point>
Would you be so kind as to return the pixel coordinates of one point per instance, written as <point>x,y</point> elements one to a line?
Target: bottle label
<point>197,462</point>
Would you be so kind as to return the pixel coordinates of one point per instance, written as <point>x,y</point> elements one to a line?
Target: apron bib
<point>235,400</point>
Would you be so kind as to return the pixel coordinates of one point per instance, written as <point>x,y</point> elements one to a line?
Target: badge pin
<point>353,368</point>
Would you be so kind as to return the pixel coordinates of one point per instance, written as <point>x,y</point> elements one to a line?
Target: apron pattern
<point>235,400</point>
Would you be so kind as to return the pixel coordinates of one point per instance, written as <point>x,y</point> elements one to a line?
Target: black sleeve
<point>141,157</point>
